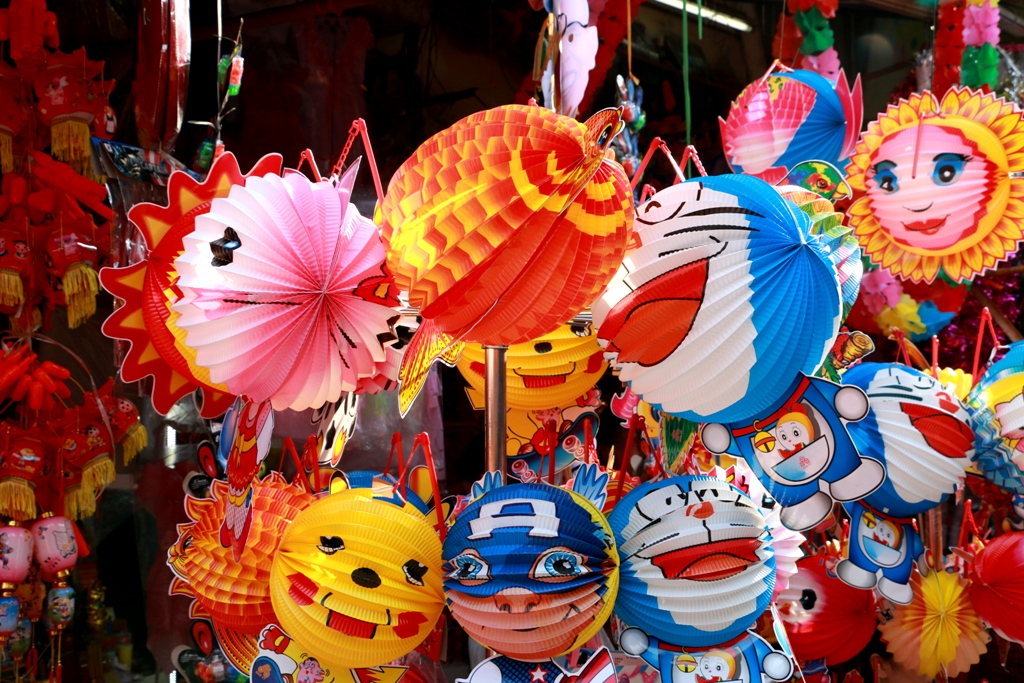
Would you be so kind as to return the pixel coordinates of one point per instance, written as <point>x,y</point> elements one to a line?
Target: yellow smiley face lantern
<point>551,371</point>
<point>356,580</point>
<point>940,189</point>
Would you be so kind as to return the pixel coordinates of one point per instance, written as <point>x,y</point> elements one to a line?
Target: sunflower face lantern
<point>356,581</point>
<point>941,195</point>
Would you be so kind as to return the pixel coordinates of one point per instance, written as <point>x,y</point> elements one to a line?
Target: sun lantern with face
<point>918,429</point>
<point>697,563</point>
<point>531,570</point>
<point>728,299</point>
<point>235,594</point>
<point>356,578</point>
<point>940,192</point>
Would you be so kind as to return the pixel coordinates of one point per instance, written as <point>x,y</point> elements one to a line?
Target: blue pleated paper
<point>992,453</point>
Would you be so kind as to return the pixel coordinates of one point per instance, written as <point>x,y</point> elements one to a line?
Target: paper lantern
<point>996,405</point>
<point>8,617</point>
<point>356,578</point>
<point>60,607</point>
<point>530,570</point>
<point>918,429</point>
<point>697,563</point>
<point>547,372</point>
<point>71,259</point>
<point>56,547</point>
<point>284,293</point>
<point>15,266</point>
<point>505,225</point>
<point>32,595</point>
<point>939,631</point>
<point>996,590</point>
<point>22,461</point>
<point>15,555</point>
<point>235,593</point>
<point>941,192</point>
<point>14,114</point>
<point>145,319</point>
<point>728,299</point>
<point>787,118</point>
<point>825,618</point>
<point>799,449</point>
<point>20,642</point>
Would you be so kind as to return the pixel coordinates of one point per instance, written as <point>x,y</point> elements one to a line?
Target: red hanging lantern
<point>997,585</point>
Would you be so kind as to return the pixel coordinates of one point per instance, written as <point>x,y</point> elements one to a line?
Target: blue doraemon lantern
<point>799,449</point>
<point>728,299</point>
<point>696,560</point>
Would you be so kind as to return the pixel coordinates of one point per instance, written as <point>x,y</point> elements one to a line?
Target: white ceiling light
<point>709,14</point>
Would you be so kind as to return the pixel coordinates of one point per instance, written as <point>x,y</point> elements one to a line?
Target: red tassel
<point>83,547</point>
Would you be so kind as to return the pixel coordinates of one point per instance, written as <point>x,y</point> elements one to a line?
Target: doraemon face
<point>692,301</point>
<point>530,570</point>
<point>881,539</point>
<point>687,542</point>
<point>715,666</point>
<point>920,430</point>
<point>798,448</point>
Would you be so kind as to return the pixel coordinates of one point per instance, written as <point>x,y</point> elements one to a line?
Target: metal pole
<point>495,408</point>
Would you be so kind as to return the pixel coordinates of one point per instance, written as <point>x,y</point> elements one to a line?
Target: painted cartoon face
<point>682,304</point>
<point>548,372</point>
<point>530,570</point>
<point>881,539</point>
<point>717,665</point>
<point>794,435</point>
<point>684,543</point>
<point>799,448</point>
<point>918,428</point>
<point>930,187</point>
<point>310,671</point>
<point>355,578</point>
<point>335,424</point>
<point>21,250</point>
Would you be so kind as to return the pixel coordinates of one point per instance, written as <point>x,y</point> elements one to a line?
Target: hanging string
<point>984,324</point>
<point>629,40</point>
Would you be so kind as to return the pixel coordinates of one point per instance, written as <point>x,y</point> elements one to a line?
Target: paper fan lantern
<point>996,405</point>
<point>697,563</point>
<point>728,299</point>
<point>997,585</point>
<point>825,618</point>
<point>939,630</point>
<point>356,578</point>
<point>918,429</point>
<point>509,222</point>
<point>145,318</point>
<point>236,594</point>
<point>547,372</point>
<point>284,293</point>
<point>530,570</point>
<point>941,194</point>
<point>785,119</point>
<point>839,240</point>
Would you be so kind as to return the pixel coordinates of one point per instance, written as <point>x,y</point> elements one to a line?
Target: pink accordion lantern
<point>56,546</point>
<point>15,555</point>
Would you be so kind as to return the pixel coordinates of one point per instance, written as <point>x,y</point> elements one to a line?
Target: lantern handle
<point>985,322</point>
<point>422,440</point>
<point>358,127</point>
<point>689,154</point>
<point>636,422</point>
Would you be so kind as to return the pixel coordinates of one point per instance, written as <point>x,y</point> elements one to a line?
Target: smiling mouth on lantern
<point>568,613</point>
<point>944,433</point>
<point>650,323</point>
<point>709,561</point>
<point>303,591</point>
<point>929,227</point>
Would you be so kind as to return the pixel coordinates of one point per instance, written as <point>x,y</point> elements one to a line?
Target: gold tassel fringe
<point>133,441</point>
<point>37,321</point>
<point>97,473</point>
<point>81,285</point>
<point>79,503</point>
<point>17,499</point>
<point>12,292</point>
<point>69,142</point>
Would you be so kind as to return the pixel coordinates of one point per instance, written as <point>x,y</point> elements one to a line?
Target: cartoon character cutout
<point>748,658</point>
<point>941,186</point>
<point>599,667</point>
<point>55,90</point>
<point>527,554</point>
<point>281,659</point>
<point>800,450</point>
<point>882,551</point>
<point>686,314</point>
<point>335,423</point>
<point>1011,425</point>
<point>687,543</point>
<point>249,448</point>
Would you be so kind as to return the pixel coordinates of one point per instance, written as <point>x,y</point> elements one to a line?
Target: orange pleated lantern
<point>507,224</point>
<point>236,594</point>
